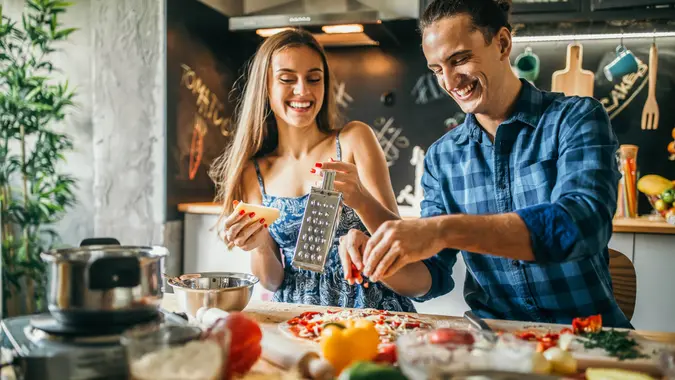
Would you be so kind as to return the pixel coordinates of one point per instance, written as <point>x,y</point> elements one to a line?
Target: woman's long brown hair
<point>256,133</point>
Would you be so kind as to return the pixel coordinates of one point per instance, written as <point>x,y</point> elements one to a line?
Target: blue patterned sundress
<point>328,288</point>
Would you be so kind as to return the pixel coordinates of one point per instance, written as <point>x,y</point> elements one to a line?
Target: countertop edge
<point>639,225</point>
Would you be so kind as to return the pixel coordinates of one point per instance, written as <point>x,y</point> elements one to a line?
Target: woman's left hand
<point>346,181</point>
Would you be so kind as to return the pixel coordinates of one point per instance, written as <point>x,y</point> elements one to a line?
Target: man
<point>525,188</point>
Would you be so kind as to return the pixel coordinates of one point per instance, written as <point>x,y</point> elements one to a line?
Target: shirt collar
<point>528,110</point>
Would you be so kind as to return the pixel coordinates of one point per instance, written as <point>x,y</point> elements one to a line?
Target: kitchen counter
<point>270,314</point>
<point>639,225</point>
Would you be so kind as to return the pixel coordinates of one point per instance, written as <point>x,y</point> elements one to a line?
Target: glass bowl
<point>420,358</point>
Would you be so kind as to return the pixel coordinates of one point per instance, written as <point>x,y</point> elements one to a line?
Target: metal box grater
<point>319,223</point>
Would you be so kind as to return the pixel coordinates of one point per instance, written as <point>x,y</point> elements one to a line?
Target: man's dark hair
<point>488,16</point>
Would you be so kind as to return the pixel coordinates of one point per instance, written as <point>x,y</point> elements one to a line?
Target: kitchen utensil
<point>479,324</point>
<point>526,65</point>
<point>104,283</point>
<point>146,339</point>
<point>229,291</point>
<point>573,80</point>
<point>624,63</point>
<point>290,355</point>
<point>650,114</point>
<point>319,223</point>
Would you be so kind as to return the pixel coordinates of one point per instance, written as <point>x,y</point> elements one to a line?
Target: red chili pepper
<point>587,325</point>
<point>527,335</point>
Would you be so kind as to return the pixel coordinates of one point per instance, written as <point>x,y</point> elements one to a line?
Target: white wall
<point>116,61</point>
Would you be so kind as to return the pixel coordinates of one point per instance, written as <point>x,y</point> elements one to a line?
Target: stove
<point>46,350</point>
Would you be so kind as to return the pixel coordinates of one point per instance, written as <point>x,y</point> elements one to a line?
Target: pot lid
<point>95,252</point>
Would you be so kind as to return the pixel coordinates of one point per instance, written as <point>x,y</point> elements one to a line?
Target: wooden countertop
<point>639,225</point>
<point>270,314</point>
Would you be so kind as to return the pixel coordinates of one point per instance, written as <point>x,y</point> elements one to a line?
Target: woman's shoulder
<point>355,129</point>
<point>249,182</point>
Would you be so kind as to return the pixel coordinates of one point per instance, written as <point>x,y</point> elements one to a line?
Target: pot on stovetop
<point>104,283</point>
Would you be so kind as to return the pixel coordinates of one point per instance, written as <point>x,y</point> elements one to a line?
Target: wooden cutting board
<point>598,358</point>
<point>573,79</point>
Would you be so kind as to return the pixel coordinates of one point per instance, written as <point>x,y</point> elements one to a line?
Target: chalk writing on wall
<point>209,107</point>
<point>623,93</point>
<point>454,121</point>
<point>426,89</point>
<point>342,96</point>
<point>390,139</point>
<point>413,194</point>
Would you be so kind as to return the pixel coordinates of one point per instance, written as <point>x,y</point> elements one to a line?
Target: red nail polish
<point>242,212</point>
<point>251,214</point>
<point>312,170</point>
<point>318,165</point>
<point>262,221</point>
<point>265,225</point>
<point>235,202</point>
<point>332,160</point>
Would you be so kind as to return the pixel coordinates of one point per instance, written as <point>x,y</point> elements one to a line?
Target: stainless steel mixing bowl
<point>229,291</point>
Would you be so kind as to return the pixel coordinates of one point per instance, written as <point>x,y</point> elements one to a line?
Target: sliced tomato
<point>293,321</point>
<point>447,335</point>
<point>527,335</point>
<point>412,325</point>
<point>566,330</point>
<point>587,325</point>
<point>387,354</point>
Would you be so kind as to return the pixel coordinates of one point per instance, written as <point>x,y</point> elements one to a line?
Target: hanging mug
<point>625,63</point>
<point>526,65</point>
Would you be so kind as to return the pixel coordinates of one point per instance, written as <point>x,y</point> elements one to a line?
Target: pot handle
<point>99,241</point>
<point>114,272</point>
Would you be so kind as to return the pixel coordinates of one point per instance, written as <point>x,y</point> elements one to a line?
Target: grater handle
<point>328,179</point>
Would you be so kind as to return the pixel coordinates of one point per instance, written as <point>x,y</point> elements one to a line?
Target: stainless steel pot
<point>104,283</point>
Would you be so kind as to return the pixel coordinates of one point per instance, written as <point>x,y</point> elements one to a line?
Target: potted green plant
<point>34,194</point>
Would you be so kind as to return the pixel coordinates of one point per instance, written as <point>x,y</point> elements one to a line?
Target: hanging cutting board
<point>573,79</point>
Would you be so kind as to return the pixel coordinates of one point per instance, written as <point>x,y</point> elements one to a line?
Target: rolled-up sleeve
<point>440,265</point>
<point>578,221</point>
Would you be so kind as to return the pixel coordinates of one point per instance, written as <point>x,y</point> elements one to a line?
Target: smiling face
<point>468,69</point>
<point>296,85</point>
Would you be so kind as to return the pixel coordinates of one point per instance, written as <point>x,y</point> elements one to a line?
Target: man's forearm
<point>413,280</point>
<point>503,235</point>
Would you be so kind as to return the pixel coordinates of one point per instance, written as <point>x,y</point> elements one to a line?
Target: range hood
<point>315,15</point>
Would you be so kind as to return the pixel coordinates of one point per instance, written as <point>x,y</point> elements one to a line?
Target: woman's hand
<point>350,251</point>
<point>347,182</point>
<point>243,231</point>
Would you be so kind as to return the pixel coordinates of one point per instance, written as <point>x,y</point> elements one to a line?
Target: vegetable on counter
<point>344,344</point>
<point>371,371</point>
<point>245,336</point>
<point>587,325</point>
<point>615,374</point>
<point>617,344</point>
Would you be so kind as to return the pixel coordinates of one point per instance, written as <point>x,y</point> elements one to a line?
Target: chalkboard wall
<point>391,89</point>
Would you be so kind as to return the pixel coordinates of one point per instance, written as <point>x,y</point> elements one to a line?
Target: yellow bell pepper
<point>345,343</point>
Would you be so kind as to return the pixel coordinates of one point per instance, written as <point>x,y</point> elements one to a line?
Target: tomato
<point>242,363</point>
<point>447,335</point>
<point>387,354</point>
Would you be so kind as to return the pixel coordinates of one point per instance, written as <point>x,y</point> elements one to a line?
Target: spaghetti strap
<point>260,179</point>
<point>338,149</point>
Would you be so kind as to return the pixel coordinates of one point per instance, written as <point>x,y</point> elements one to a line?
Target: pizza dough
<point>197,360</point>
<point>261,212</point>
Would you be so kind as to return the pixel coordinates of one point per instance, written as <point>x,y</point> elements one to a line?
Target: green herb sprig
<point>617,344</point>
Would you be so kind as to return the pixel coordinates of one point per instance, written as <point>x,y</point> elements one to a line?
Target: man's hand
<point>351,252</point>
<point>398,243</point>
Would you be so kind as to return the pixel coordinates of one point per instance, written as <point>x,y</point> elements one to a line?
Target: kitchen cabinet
<point>545,6</point>
<point>597,5</point>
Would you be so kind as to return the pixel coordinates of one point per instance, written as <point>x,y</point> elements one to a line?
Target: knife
<point>478,323</point>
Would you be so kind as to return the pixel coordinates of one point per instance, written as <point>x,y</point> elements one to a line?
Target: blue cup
<point>526,65</point>
<point>625,63</point>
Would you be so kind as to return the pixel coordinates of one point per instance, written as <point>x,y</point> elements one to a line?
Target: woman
<point>287,132</point>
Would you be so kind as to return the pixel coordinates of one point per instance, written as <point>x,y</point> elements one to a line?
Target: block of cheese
<point>268,213</point>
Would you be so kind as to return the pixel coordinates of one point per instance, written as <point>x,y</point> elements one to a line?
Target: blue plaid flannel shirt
<point>553,163</point>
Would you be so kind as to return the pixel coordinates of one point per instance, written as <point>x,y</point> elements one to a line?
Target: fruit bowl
<point>660,193</point>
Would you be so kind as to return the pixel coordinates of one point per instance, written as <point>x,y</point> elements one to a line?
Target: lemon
<point>615,374</point>
<point>660,205</point>
<point>539,364</point>
<point>562,362</point>
<point>653,184</point>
